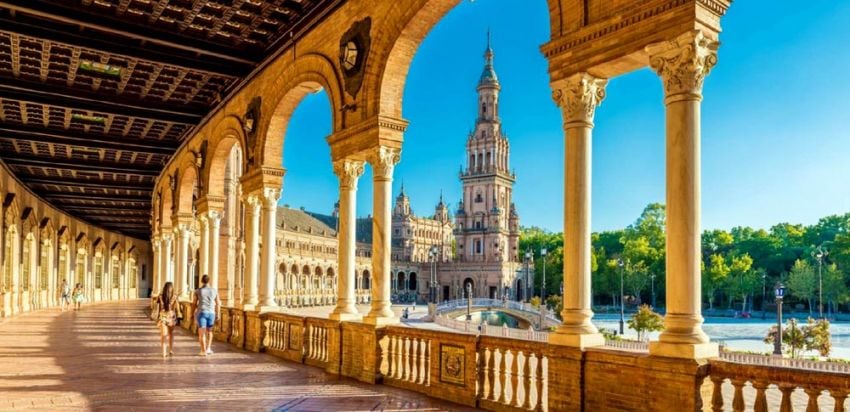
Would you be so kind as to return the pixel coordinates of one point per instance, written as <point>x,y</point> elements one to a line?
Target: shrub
<point>813,336</point>
<point>645,320</point>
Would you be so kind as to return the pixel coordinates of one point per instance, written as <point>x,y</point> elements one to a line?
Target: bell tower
<point>487,225</point>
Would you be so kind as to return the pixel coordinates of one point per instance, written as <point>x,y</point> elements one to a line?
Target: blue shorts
<point>206,320</point>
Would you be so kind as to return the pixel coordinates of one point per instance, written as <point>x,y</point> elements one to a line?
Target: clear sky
<point>775,121</point>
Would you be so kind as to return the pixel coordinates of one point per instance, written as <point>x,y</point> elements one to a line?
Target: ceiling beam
<point>92,184</point>
<point>55,98</point>
<point>167,111</point>
<point>78,165</point>
<point>102,32</point>
<point>94,196</point>
<point>99,210</point>
<point>96,141</point>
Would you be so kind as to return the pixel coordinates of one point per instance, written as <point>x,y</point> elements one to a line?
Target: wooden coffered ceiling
<point>96,95</point>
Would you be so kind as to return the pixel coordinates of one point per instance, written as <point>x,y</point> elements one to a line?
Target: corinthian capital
<point>348,171</point>
<point>252,202</point>
<point>578,97</point>
<point>270,197</point>
<point>383,160</point>
<point>684,62</point>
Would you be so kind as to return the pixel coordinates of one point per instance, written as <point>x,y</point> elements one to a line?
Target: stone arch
<point>227,134</point>
<point>403,32</point>
<point>309,73</point>
<point>471,283</point>
<point>186,188</point>
<point>166,206</point>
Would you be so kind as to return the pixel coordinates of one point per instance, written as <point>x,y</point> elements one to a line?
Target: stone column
<point>204,248</point>
<point>348,171</point>
<point>682,65</point>
<point>183,231</point>
<point>156,270</point>
<point>214,222</point>
<point>252,246</point>
<point>267,266</point>
<point>578,97</point>
<point>383,162</point>
<point>165,272</point>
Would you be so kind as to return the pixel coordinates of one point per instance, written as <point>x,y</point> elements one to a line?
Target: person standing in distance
<point>206,308</point>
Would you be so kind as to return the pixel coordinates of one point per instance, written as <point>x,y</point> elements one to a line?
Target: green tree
<point>802,282</point>
<point>834,286</point>
<point>818,336</point>
<point>741,280</point>
<point>714,277</point>
<point>645,320</point>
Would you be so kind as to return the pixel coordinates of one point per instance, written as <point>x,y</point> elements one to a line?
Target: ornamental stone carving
<point>348,171</point>
<point>383,160</point>
<point>684,62</point>
<point>270,197</point>
<point>579,96</point>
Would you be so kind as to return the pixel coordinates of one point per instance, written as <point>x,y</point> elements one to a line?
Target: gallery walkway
<point>107,357</point>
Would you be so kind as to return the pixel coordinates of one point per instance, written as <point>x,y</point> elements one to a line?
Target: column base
<point>581,341</point>
<point>684,350</point>
<point>249,307</point>
<point>380,320</point>
<point>345,317</point>
<point>268,308</point>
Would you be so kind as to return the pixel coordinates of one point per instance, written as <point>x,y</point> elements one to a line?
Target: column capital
<point>270,197</point>
<point>348,171</point>
<point>684,62</point>
<point>166,237</point>
<point>252,199</point>
<point>578,96</point>
<point>383,160</point>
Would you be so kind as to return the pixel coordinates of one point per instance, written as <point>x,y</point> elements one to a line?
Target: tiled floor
<point>106,357</point>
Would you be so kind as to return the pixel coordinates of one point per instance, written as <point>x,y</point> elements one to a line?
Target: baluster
<point>540,378</point>
<point>515,378</point>
<point>839,397</point>
<point>812,405</point>
<point>490,369</point>
<point>761,398</point>
<point>414,354</point>
<point>481,366</point>
<point>738,401</point>
<point>785,406</point>
<point>427,379</point>
<point>503,365</point>
<point>390,354</point>
<point>717,394</point>
<point>404,358</point>
<point>526,379</point>
<point>323,347</point>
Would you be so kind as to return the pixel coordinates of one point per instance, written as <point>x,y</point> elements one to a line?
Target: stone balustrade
<point>765,383</point>
<point>508,374</point>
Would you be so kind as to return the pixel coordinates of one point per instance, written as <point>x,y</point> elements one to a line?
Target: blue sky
<point>775,121</point>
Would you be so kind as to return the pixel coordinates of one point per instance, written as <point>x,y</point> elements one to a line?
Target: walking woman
<point>78,296</point>
<point>168,307</point>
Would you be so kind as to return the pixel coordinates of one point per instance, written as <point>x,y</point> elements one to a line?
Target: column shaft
<point>182,286</point>
<point>348,171</point>
<point>578,99</point>
<point>267,267</point>
<point>683,65</point>
<point>252,240</point>
<point>204,248</point>
<point>212,255</point>
<point>383,163</point>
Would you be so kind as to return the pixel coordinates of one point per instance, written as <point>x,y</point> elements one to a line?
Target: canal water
<point>493,318</point>
<point>742,334</point>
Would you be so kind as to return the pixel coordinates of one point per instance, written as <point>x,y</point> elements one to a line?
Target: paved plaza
<point>107,357</point>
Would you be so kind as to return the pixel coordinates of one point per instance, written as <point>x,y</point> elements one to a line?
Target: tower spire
<point>488,76</point>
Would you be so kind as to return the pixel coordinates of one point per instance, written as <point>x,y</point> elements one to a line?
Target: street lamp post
<point>777,342</point>
<point>543,283</point>
<point>652,278</point>
<point>621,264</point>
<point>432,292</point>
<point>763,294</point>
<point>526,287</point>
<point>819,254</point>
<point>469,301</point>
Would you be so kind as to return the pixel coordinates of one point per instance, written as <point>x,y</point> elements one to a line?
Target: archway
<point>411,283</point>
<point>367,280</point>
<point>400,286</point>
<point>468,287</point>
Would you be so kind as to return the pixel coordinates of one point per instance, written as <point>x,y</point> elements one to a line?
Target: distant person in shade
<point>207,307</point>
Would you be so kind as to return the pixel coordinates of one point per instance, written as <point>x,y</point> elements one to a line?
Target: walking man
<point>66,295</point>
<point>207,307</point>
